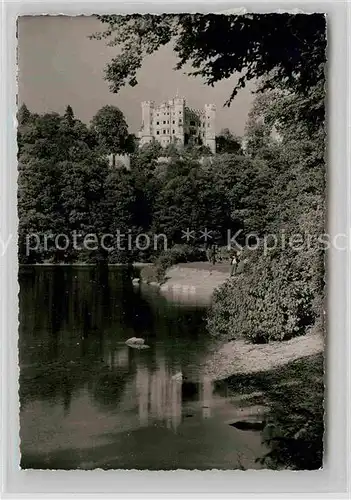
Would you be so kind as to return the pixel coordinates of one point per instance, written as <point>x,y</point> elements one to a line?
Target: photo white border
<point>333,481</point>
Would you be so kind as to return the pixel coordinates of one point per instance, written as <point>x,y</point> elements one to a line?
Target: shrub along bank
<point>168,258</point>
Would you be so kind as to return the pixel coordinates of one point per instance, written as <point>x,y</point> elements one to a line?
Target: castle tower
<point>146,132</point>
<point>210,128</point>
<point>178,119</point>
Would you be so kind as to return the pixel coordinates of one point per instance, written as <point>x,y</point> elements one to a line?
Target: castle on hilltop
<point>173,122</point>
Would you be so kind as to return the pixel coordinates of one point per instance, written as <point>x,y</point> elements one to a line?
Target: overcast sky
<point>60,65</point>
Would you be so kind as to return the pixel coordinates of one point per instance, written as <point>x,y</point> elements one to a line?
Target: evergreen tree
<point>23,115</point>
<point>69,116</point>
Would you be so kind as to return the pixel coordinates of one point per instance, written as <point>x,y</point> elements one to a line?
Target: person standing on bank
<point>214,255</point>
<point>234,260</point>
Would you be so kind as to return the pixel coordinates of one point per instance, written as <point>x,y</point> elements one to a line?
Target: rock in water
<point>134,341</point>
<point>178,377</point>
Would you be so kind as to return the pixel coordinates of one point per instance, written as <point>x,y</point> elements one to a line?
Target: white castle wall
<point>119,160</point>
<point>172,121</point>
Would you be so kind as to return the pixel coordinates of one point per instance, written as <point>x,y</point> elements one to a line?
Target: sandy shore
<point>240,357</point>
<point>200,278</point>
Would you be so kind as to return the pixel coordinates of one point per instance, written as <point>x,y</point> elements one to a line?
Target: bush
<point>294,431</point>
<point>275,298</point>
<point>149,274</point>
<point>176,255</point>
<point>223,254</point>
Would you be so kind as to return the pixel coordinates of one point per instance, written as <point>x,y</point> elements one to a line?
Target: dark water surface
<point>89,401</point>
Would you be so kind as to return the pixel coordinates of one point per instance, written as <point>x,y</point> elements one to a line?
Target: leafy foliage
<point>280,294</point>
<point>226,142</point>
<point>60,183</point>
<point>275,184</point>
<point>271,300</point>
<point>111,130</point>
<point>218,45</point>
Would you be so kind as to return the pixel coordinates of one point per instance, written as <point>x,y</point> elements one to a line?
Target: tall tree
<point>111,130</point>
<point>282,288</point>
<point>69,116</point>
<point>121,213</point>
<point>60,182</point>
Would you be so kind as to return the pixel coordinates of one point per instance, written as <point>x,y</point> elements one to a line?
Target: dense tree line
<point>66,186</point>
<point>272,182</point>
<point>275,183</point>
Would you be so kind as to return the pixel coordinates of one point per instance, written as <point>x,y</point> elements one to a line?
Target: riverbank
<point>199,277</point>
<point>240,357</point>
<point>288,402</point>
<point>279,389</point>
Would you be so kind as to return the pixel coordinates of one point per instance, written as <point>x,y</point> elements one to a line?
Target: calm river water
<point>89,401</point>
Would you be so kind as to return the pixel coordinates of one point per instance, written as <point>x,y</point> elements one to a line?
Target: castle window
<point>167,122</point>
<point>164,122</point>
<point>173,131</point>
<point>164,131</point>
<point>157,123</point>
<point>173,122</point>
<point>157,132</point>
<point>192,123</point>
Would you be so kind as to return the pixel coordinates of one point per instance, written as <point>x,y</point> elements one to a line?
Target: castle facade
<point>173,122</point>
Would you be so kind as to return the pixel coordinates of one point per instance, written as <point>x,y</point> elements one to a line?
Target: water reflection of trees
<point>73,325</point>
<point>108,387</point>
<point>161,396</point>
<point>57,382</point>
<point>64,315</point>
